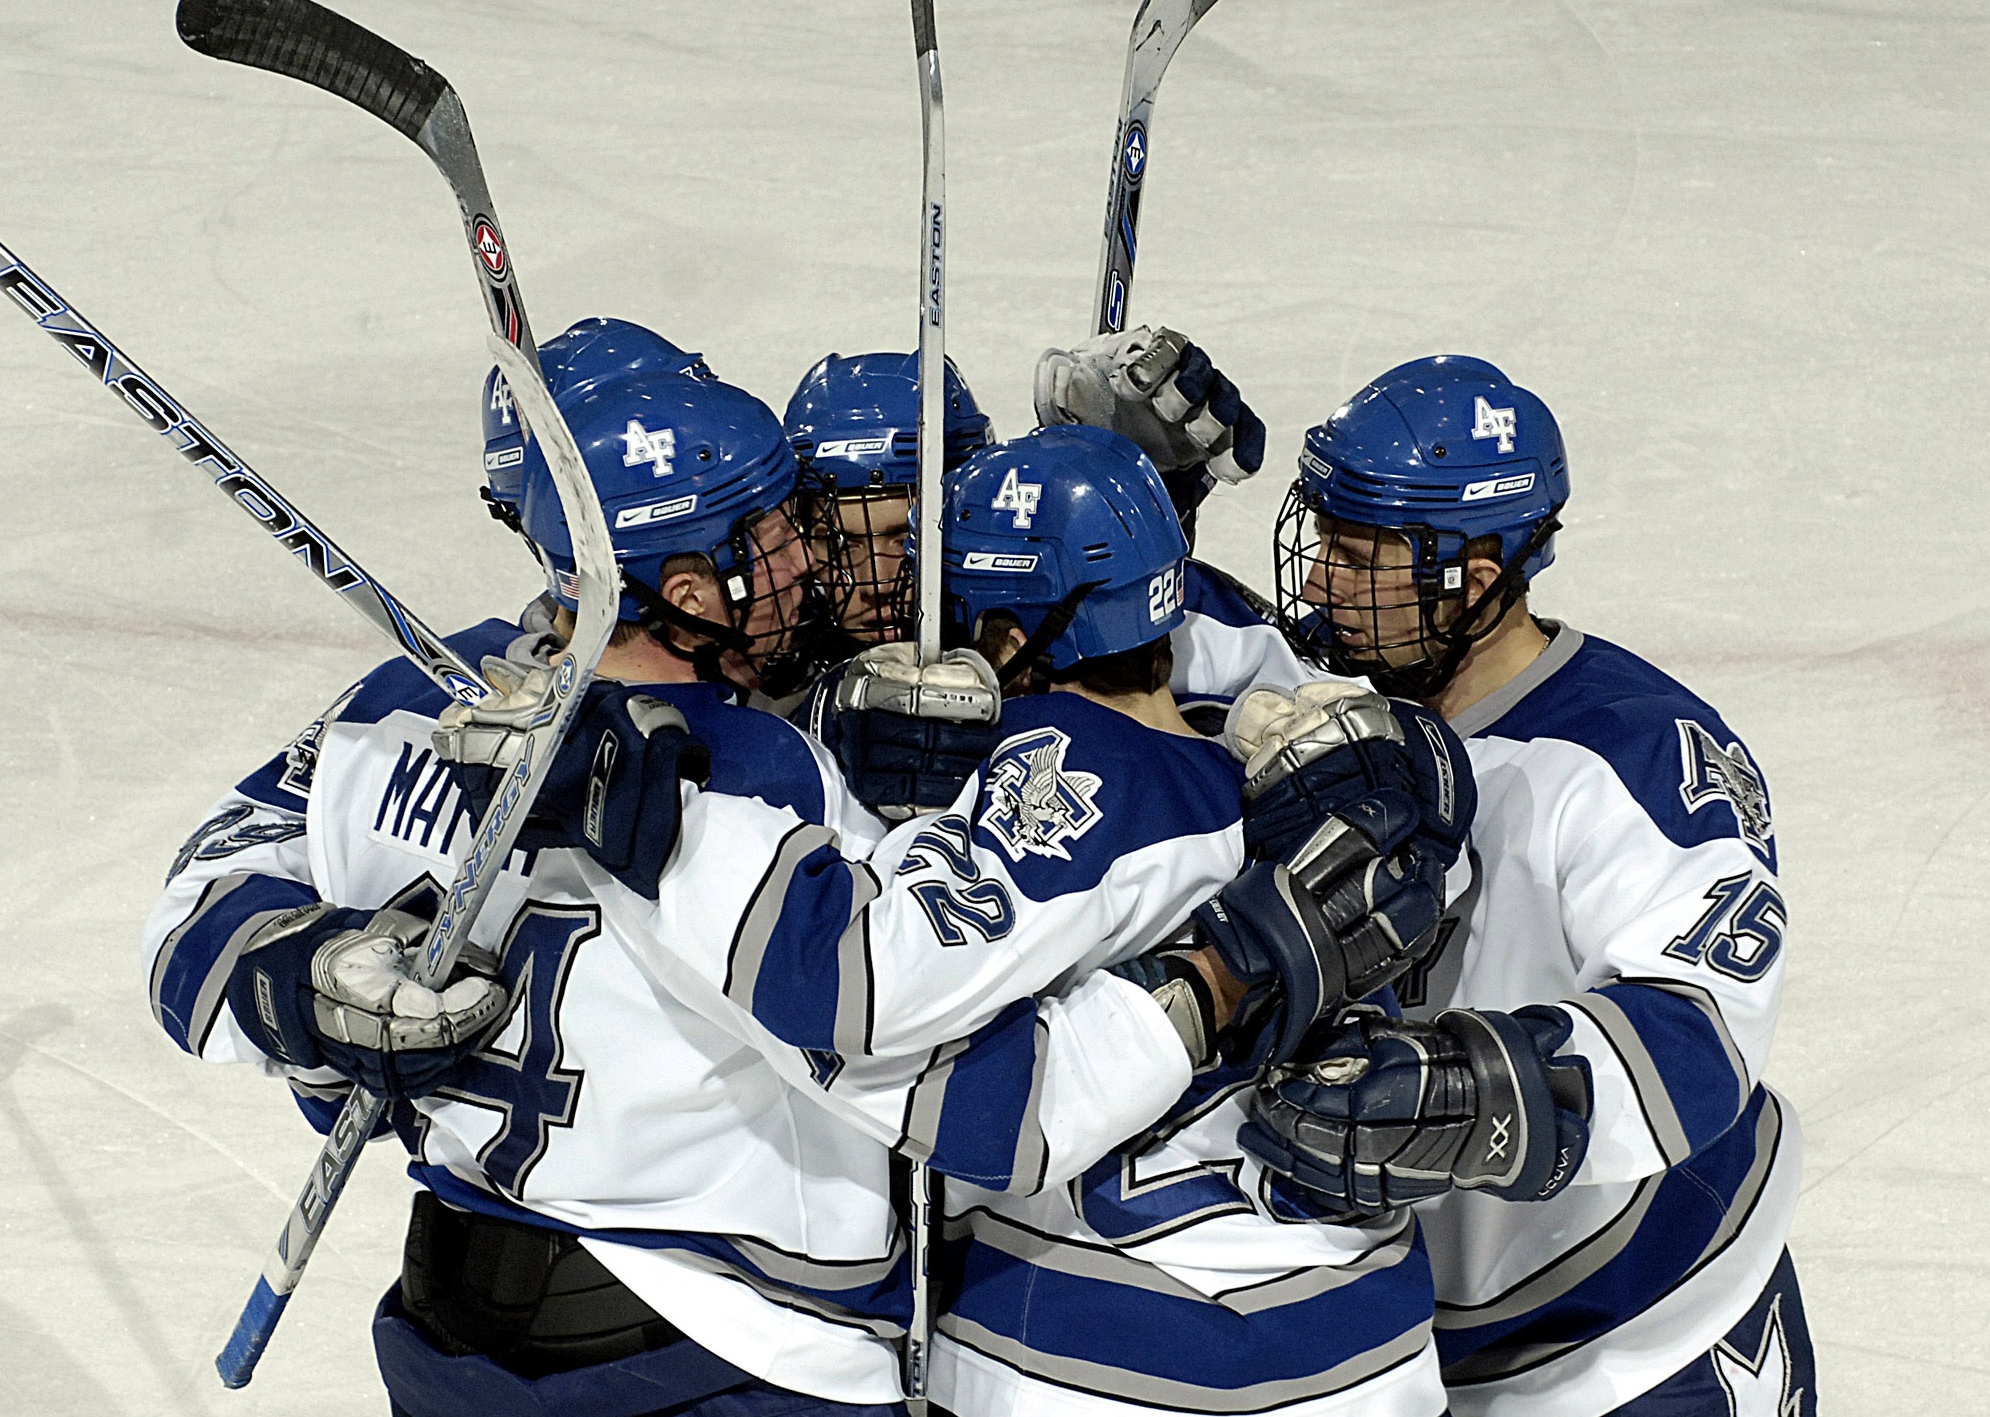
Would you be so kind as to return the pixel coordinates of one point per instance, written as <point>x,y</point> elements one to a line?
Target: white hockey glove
<point>322,986</point>
<point>908,737</point>
<point>1156,388</point>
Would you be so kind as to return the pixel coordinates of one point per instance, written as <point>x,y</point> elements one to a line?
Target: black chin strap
<point>1432,676</point>
<point>1054,624</point>
<point>660,617</point>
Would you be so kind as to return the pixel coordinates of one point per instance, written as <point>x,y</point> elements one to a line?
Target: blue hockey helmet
<point>854,421</point>
<point>683,466</point>
<point>584,354</point>
<point>1451,459</point>
<point>1070,530</point>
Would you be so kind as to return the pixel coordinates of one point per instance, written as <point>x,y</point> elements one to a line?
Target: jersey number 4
<point>1740,933</point>
<point>518,1074</point>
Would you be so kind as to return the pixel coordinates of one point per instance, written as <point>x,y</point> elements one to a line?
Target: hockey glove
<point>325,987</point>
<point>1390,1111</point>
<point>1306,954</point>
<point>908,737</point>
<point>1156,388</point>
<point>612,790</point>
<point>1335,750</point>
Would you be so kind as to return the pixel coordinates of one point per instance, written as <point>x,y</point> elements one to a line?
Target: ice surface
<point>1737,246</point>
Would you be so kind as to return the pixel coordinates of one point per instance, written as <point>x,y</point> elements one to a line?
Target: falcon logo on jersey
<point>1034,807</point>
<point>1490,422</point>
<point>657,449</point>
<point>1759,1386</point>
<point>1717,774</point>
<point>1017,497</point>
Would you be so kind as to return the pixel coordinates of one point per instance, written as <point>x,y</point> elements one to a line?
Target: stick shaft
<point>1158,31</point>
<point>932,327</point>
<point>237,481</point>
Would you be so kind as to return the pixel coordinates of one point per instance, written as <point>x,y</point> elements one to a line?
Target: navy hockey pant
<point>681,1380</point>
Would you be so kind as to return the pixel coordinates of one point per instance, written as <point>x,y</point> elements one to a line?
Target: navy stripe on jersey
<point>1076,785</point>
<point>1208,591</point>
<point>1674,1224</point>
<point>800,961</point>
<point>1686,768</point>
<point>190,974</point>
<point>1679,1056</point>
<point>754,753</point>
<point>1088,1317</point>
<point>975,1112</point>
<point>874,1295</point>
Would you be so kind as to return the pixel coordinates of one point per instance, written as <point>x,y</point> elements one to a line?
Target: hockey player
<point>853,423</point>
<point>1170,1275</point>
<point>1625,899</point>
<point>633,1158</point>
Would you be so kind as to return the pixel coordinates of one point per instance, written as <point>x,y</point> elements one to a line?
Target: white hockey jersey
<point>1624,865</point>
<point>738,1183</point>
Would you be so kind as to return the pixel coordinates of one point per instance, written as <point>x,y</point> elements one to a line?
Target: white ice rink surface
<point>1738,247</point>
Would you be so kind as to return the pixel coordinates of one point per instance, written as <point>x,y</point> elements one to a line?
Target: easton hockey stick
<point>241,484</point>
<point>306,41</point>
<point>932,447</point>
<point>1158,31</point>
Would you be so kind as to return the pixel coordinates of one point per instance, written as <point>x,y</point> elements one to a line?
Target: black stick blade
<point>306,41</point>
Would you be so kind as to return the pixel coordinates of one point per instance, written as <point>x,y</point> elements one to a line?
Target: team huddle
<point>1353,1002</point>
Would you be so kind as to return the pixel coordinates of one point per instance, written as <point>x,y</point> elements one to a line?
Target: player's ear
<point>1480,573</point>
<point>692,591</point>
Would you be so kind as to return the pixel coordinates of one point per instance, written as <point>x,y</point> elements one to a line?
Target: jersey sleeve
<point>246,864</point>
<point>950,920</point>
<point>1679,937</point>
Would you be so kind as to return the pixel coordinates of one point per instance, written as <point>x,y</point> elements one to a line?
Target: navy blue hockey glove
<point>1331,750</point>
<point>326,987</point>
<point>1308,953</point>
<point>907,737</point>
<point>1390,1111</point>
<point>613,787</point>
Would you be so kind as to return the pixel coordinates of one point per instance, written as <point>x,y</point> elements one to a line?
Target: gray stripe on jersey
<point>1492,1364</point>
<point>1089,1260</point>
<point>1706,1003</point>
<point>852,1030</point>
<point>789,1298</point>
<point>1660,1114</point>
<point>1191,1397</point>
<point>928,1100</point>
<point>1032,1159</point>
<point>207,1003</point>
<point>763,911</point>
<point>1493,707</point>
<point>786,1267</point>
<point>1563,1273</point>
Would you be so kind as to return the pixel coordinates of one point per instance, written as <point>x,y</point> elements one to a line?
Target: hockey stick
<point>240,483</point>
<point>932,447</point>
<point>1158,31</point>
<point>308,42</point>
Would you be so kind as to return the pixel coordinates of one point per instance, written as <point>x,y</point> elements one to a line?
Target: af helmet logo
<point>1490,422</point>
<point>656,449</point>
<point>1017,497</point>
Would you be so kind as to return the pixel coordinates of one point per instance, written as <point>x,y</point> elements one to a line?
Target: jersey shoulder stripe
<point>1223,598</point>
<point>397,684</point>
<point>1688,771</point>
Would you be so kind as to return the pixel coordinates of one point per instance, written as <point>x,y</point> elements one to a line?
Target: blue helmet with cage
<point>683,466</point>
<point>854,420</point>
<point>1069,529</point>
<point>1449,457</point>
<point>586,353</point>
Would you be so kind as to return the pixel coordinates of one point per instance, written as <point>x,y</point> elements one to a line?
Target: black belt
<point>534,1300</point>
